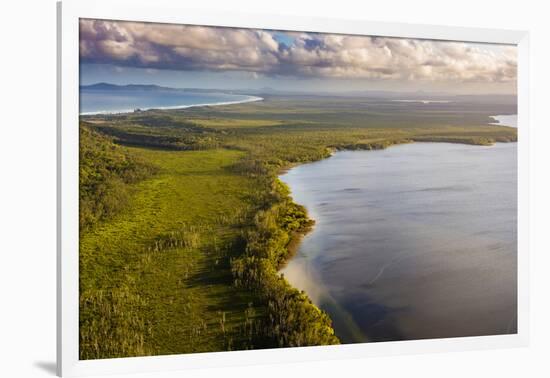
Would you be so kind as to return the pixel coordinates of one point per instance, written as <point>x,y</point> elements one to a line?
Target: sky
<point>184,56</point>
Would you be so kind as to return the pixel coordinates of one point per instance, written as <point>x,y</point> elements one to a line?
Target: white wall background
<point>27,187</point>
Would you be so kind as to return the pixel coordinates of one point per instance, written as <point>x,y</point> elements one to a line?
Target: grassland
<point>160,257</point>
<point>186,224</point>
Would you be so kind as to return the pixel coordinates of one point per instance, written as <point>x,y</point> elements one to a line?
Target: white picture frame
<point>165,11</point>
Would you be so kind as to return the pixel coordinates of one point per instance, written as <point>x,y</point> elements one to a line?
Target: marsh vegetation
<point>184,224</point>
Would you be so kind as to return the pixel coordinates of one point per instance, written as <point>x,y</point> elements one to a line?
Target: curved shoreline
<point>174,107</point>
<point>300,235</point>
<point>505,120</point>
<point>296,239</point>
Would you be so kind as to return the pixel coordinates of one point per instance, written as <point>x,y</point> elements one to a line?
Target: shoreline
<point>174,107</point>
<point>498,120</point>
<point>425,102</point>
<point>301,233</point>
<point>269,224</point>
<point>297,237</point>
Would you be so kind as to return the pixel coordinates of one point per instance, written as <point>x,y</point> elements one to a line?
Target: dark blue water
<point>416,241</point>
<point>93,101</point>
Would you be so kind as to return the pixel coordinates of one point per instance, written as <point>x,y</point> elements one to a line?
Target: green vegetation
<point>293,320</point>
<point>151,276</point>
<point>184,223</point>
<point>105,172</point>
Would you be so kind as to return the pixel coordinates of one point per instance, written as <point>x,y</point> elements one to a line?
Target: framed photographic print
<point>239,188</point>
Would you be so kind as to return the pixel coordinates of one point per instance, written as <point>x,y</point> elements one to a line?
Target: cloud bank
<point>310,55</point>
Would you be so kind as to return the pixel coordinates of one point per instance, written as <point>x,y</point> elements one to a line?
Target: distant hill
<point>114,87</point>
<point>148,87</point>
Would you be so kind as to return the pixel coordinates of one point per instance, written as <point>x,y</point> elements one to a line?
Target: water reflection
<point>416,241</point>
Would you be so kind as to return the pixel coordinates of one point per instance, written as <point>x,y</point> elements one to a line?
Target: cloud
<point>183,47</point>
<point>178,47</point>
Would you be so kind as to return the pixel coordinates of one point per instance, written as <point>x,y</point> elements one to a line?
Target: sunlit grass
<point>151,278</point>
<point>189,263</point>
<point>224,123</point>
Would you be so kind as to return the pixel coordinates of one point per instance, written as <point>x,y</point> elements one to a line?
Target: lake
<point>415,241</point>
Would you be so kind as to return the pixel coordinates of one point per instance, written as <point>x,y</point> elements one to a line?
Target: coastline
<point>297,236</point>
<point>505,120</point>
<point>266,224</point>
<point>331,151</point>
<point>175,107</point>
<point>425,102</point>
<point>296,239</point>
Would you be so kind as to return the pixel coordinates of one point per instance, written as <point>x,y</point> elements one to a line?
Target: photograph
<point>244,189</point>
